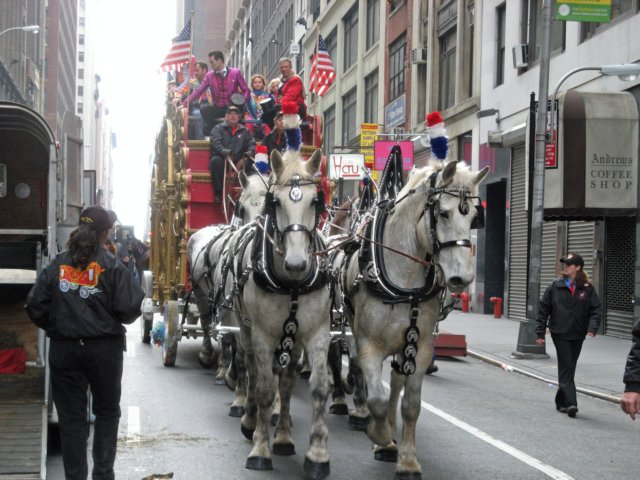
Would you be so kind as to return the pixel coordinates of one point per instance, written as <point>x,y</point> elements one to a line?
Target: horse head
<point>451,194</point>
<point>251,200</point>
<point>295,205</point>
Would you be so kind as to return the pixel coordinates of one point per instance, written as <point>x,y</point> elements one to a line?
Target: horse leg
<point>371,359</point>
<point>224,361</point>
<point>238,405</point>
<point>408,466</point>
<point>316,462</point>
<point>207,356</point>
<point>260,456</point>
<point>305,372</point>
<point>248,422</point>
<point>389,453</point>
<point>277,406</point>
<point>339,404</point>
<point>359,416</point>
<point>283,441</point>
<point>231,375</point>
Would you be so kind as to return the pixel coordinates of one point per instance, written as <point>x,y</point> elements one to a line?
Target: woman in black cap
<point>82,299</point>
<point>571,309</point>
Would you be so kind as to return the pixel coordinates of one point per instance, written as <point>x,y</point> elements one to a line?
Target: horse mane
<point>342,217</point>
<point>293,165</point>
<point>463,178</point>
<point>253,193</point>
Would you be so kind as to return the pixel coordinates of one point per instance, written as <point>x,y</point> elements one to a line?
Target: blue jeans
<point>76,365</point>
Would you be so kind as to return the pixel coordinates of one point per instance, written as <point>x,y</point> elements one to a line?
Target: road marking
<point>133,425</point>
<point>491,440</point>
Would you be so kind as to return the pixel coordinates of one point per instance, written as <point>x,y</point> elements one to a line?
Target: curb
<point>511,368</point>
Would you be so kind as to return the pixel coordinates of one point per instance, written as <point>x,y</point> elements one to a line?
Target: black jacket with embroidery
<point>632,370</point>
<point>569,316</point>
<point>90,303</point>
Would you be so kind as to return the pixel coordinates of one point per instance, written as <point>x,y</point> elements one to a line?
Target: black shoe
<point>562,409</point>
<point>572,410</point>
<point>432,369</point>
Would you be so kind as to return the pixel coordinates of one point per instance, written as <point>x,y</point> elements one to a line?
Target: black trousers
<point>76,365</point>
<point>216,167</point>
<point>568,352</point>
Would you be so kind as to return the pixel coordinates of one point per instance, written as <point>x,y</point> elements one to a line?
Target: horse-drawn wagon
<point>182,202</point>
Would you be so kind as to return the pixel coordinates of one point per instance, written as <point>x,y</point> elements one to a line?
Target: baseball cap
<point>96,217</point>
<point>573,259</point>
<point>231,108</point>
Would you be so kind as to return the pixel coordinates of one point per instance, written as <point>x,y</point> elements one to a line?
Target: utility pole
<point>527,347</point>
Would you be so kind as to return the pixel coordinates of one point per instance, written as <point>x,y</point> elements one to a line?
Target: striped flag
<point>322,72</point>
<point>180,50</point>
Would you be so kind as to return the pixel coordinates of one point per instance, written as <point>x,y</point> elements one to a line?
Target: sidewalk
<point>600,367</point>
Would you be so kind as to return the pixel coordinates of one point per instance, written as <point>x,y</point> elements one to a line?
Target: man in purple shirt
<point>222,82</point>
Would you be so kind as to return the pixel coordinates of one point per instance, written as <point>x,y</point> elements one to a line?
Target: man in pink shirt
<point>223,82</point>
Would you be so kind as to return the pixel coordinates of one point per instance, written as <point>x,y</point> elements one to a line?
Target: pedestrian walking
<point>571,309</point>
<point>82,299</point>
<point>631,398</point>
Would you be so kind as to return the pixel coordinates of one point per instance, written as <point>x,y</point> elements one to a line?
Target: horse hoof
<point>219,381</point>
<point>316,471</point>
<point>408,476</point>
<point>339,409</point>
<point>284,449</point>
<point>258,463</point>
<point>306,374</point>
<point>206,363</point>
<point>386,455</point>
<point>274,419</point>
<point>236,411</point>
<point>359,423</point>
<point>248,433</point>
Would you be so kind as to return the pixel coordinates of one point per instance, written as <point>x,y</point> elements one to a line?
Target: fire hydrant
<point>497,306</point>
<point>464,297</point>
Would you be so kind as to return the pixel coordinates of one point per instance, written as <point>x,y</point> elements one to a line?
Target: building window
<point>81,21</point>
<point>81,39</point>
<point>349,102</point>
<point>314,9</point>
<point>395,5</point>
<point>397,61</point>
<point>329,138</point>
<point>620,10</point>
<point>532,29</point>
<point>350,37</point>
<point>332,47</point>
<point>81,56</point>
<point>371,97</point>
<point>80,108</point>
<point>447,80</point>
<point>81,73</point>
<point>373,23</point>
<point>501,15</point>
<point>80,90</point>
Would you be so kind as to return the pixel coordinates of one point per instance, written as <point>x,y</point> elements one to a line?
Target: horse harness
<point>373,272</point>
<point>262,261</point>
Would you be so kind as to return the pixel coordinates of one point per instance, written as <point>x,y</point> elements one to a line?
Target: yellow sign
<point>368,136</point>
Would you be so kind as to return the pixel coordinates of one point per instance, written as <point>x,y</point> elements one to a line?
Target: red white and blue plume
<point>291,121</point>
<point>262,159</point>
<point>437,136</point>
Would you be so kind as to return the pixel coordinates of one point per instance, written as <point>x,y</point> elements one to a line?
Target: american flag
<point>322,72</point>
<point>180,50</point>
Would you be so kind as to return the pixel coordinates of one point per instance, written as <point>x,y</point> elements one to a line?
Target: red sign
<point>383,149</point>
<point>550,158</point>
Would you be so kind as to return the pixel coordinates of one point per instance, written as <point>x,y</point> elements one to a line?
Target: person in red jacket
<point>291,90</point>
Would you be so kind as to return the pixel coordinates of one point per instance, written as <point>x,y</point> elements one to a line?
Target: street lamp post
<point>27,28</point>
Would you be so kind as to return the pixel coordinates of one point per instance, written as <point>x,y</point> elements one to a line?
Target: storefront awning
<point>597,158</point>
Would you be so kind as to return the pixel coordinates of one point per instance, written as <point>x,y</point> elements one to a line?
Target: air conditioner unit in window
<point>520,56</point>
<point>419,55</point>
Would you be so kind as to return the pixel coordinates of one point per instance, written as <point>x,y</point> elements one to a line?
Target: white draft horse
<point>205,248</point>
<point>395,299</point>
<point>284,305</point>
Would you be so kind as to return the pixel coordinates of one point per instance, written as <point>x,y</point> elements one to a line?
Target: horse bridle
<point>296,195</point>
<point>433,198</point>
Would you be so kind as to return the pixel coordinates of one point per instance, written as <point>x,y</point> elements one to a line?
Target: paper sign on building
<point>346,166</point>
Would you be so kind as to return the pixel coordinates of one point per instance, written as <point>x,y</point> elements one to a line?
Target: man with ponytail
<point>571,309</point>
<point>82,300</point>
